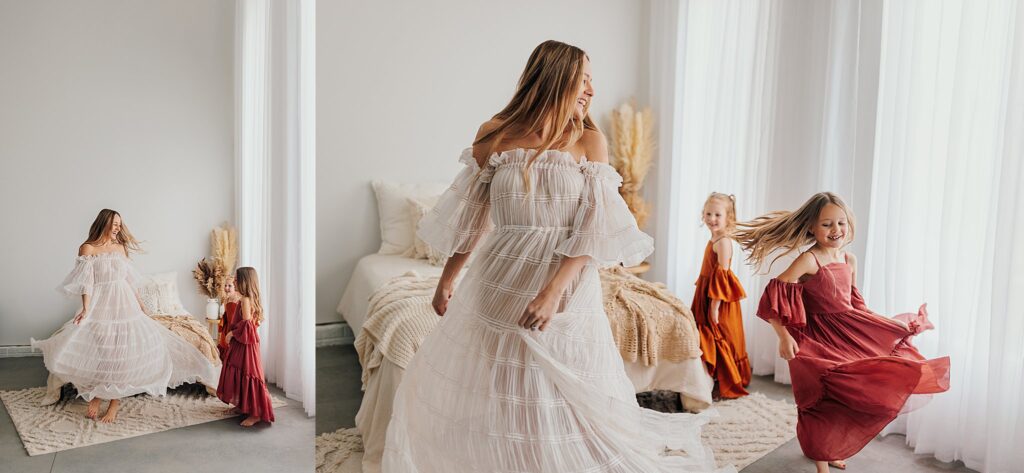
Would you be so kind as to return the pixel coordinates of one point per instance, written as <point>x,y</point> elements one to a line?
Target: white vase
<point>212,309</point>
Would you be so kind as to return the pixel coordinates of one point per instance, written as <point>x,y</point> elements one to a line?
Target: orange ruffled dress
<point>723,345</point>
<point>224,326</point>
<point>855,369</point>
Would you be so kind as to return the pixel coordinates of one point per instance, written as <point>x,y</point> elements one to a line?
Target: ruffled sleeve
<point>133,277</point>
<point>783,301</point>
<point>244,331</point>
<point>603,228</point>
<point>724,286</point>
<point>81,279</point>
<point>857,300</point>
<point>461,217</point>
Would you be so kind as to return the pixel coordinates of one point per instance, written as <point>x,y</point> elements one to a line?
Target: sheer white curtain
<point>947,216</point>
<point>713,66</point>
<point>275,163</point>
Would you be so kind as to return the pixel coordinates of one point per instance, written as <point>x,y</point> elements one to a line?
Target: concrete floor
<point>338,396</point>
<point>287,446</point>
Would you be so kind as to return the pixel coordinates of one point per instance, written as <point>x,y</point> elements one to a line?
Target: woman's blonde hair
<point>787,230</point>
<point>544,102</point>
<point>248,285</point>
<point>730,208</point>
<point>101,226</point>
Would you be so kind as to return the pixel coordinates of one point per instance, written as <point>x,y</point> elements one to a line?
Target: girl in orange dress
<point>852,369</point>
<point>227,319</point>
<point>716,305</point>
<point>241,378</point>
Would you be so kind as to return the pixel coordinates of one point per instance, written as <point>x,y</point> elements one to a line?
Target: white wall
<point>402,87</point>
<point>126,105</point>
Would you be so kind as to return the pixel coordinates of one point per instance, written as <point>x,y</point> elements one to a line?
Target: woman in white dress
<point>522,374</point>
<point>111,349</point>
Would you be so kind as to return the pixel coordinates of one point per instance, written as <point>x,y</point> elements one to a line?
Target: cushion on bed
<point>418,208</point>
<point>397,228</point>
<point>159,294</point>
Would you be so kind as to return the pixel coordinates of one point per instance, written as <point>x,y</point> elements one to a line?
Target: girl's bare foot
<point>823,466</point>
<point>111,414</point>
<point>94,408</point>
<point>841,464</point>
<point>250,421</point>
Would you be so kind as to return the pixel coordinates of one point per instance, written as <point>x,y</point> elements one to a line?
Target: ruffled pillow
<point>419,208</point>
<point>159,294</point>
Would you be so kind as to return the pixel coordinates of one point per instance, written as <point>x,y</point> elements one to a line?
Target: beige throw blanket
<point>648,322</point>
<point>398,319</point>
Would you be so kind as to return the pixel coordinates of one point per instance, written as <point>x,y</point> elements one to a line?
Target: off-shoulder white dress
<point>485,395</point>
<point>117,350</point>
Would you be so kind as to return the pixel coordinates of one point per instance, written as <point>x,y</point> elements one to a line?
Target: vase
<point>212,309</point>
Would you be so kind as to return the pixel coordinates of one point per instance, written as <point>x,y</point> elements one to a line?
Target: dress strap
<point>815,259</point>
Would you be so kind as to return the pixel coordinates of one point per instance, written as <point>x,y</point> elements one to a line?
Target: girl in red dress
<point>852,370</point>
<point>716,303</point>
<point>227,319</point>
<point>241,378</point>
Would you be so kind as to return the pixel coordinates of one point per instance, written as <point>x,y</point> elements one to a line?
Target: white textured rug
<point>745,430</point>
<point>48,429</point>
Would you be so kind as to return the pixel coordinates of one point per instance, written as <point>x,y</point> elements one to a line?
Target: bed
<point>382,375</point>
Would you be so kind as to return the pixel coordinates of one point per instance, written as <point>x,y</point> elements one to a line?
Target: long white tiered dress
<point>485,395</point>
<point>117,350</point>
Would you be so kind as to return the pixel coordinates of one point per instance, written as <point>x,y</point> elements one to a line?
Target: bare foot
<point>250,421</point>
<point>821,467</point>
<point>841,464</point>
<point>111,414</point>
<point>94,408</point>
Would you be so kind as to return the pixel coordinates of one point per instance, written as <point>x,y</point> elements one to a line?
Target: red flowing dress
<point>224,326</point>
<point>855,369</point>
<point>241,377</point>
<point>723,345</point>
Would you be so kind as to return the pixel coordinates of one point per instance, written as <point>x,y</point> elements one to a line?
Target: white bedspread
<point>371,272</point>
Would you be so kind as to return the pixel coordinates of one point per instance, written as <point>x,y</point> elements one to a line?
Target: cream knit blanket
<point>398,319</point>
<point>649,324</point>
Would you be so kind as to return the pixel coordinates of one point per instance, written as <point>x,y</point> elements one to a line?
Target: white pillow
<point>418,208</point>
<point>397,228</point>
<point>159,294</point>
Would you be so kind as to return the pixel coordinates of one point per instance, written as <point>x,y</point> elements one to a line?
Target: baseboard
<point>335,333</point>
<point>16,351</point>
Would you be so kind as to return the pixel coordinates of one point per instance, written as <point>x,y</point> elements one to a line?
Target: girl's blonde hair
<point>730,208</point>
<point>544,102</point>
<point>248,285</point>
<point>786,230</point>
<point>101,226</point>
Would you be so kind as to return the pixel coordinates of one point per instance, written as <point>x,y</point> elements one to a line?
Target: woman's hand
<point>788,348</point>
<point>441,296</point>
<point>539,311</point>
<point>80,315</point>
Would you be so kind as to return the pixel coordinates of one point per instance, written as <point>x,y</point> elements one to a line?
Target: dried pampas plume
<point>210,277</point>
<point>211,273</point>
<point>224,246</point>
<point>632,154</point>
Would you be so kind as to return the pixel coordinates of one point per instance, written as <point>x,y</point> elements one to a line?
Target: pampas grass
<point>632,155</point>
<point>210,277</point>
<point>224,247</point>
<point>211,273</point>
